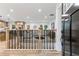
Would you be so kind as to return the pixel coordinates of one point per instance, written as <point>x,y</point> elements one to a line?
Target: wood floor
<point>29,53</point>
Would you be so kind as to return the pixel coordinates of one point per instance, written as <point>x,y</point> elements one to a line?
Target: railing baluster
<point>9,40</point>
<point>13,39</point>
<point>19,38</point>
<point>51,39</point>
<point>34,43</point>
<point>26,39</point>
<point>16,39</point>
<point>29,38</point>
<point>44,39</point>
<point>22,39</point>
<point>47,40</point>
<point>36,40</point>
<point>32,40</point>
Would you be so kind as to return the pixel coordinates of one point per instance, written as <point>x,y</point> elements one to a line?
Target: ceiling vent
<point>51,15</point>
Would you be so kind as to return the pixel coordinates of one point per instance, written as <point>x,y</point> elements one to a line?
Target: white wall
<point>58,45</point>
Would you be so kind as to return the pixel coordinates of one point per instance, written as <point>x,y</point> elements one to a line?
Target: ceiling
<point>28,11</point>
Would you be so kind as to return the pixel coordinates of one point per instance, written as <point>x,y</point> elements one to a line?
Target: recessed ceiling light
<point>8,15</point>
<point>45,17</point>
<point>28,17</point>
<point>39,10</point>
<point>11,10</point>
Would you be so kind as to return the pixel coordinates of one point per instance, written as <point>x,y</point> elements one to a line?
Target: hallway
<point>39,29</point>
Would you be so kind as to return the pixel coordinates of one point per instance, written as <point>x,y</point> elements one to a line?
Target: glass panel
<point>75,33</point>
<point>67,38</point>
